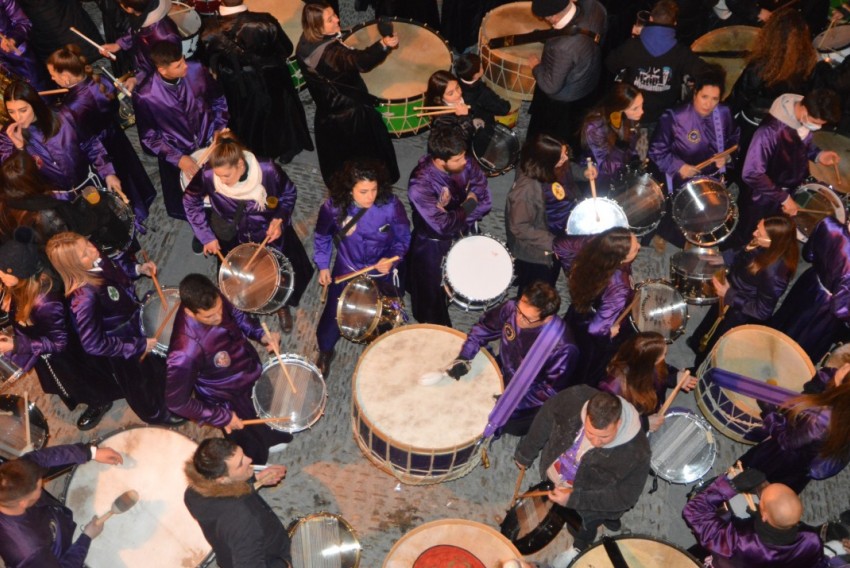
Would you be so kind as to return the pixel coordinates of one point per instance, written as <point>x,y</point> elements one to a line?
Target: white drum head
<point>479,268</point>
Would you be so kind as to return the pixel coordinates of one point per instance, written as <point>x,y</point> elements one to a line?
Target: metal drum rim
<point>707,429</point>
<point>309,365</point>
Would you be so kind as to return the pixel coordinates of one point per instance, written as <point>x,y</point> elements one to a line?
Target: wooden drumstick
<point>837,175</point>
<point>161,327</point>
<point>444,107</point>
<point>679,385</point>
<point>818,211</point>
<point>538,493</point>
<point>434,113</point>
<point>517,486</point>
<point>52,92</point>
<point>224,261</point>
<point>627,311</point>
<point>324,297</point>
<point>735,470</point>
<point>357,273</point>
<point>722,154</point>
<point>266,420</point>
<point>26,416</point>
<point>593,191</point>
<point>279,358</point>
<point>156,282</point>
<point>205,155</point>
<point>99,47</point>
<point>260,247</point>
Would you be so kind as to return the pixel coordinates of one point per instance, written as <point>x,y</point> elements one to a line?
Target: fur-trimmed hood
<point>211,488</point>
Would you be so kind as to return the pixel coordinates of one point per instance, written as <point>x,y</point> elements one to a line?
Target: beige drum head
<point>287,12</point>
<point>505,70</point>
<point>158,530</point>
<point>404,74</point>
<point>184,179</point>
<point>840,144</point>
<point>646,552</point>
<point>731,38</point>
<point>421,547</point>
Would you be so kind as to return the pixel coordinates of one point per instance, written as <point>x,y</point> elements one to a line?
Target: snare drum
<point>13,442</point>
<point>264,287</point>
<point>158,530</point>
<point>691,271</point>
<point>188,24</point>
<point>505,69</point>
<point>400,82</point>
<point>833,45</point>
<point>496,149</point>
<point>705,211</point>
<point>153,314</point>
<point>660,308</point>
<point>116,223</point>
<point>723,42</point>
<point>288,13</point>
<point>324,539</point>
<point>421,435</point>
<point>819,197</point>
<point>594,215</point>
<point>274,398</point>
<point>758,352</point>
<point>363,313</point>
<point>533,522</point>
<point>450,542</point>
<point>642,199</point>
<point>683,448</point>
<point>477,272</point>
<point>637,551</point>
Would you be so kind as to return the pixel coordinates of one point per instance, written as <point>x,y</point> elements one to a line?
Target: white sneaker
<point>277,448</point>
<point>566,558</point>
<point>432,378</point>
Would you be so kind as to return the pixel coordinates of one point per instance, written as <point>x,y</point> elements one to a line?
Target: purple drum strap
<point>718,133</point>
<point>748,387</point>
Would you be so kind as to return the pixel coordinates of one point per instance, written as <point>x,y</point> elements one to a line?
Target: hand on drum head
<point>270,341</point>
<point>748,480</point>
<point>108,456</point>
<point>272,475</point>
<point>188,166</point>
<point>828,158</point>
<point>212,248</point>
<point>390,41</point>
<point>790,207</point>
<point>235,423</point>
<point>560,495</point>
<point>688,171</point>
<point>93,529</point>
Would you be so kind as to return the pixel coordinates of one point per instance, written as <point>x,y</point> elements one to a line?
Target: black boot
<point>323,362</point>
<point>286,319</point>
<point>92,415</point>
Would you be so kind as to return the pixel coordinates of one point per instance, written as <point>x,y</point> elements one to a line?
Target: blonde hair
<point>61,250</point>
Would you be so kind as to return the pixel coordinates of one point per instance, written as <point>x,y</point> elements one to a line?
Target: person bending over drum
<point>35,528</point>
<point>51,138</point>
<point>241,527</point>
<point>538,206</point>
<point>251,200</point>
<point>44,339</point>
<point>758,276</point>
<point>598,271</point>
<point>444,90</point>
<point>483,101</point>
<point>449,195</point>
<point>639,373</point>
<point>536,348</point>
<point>369,226</point>
<point>107,315</point>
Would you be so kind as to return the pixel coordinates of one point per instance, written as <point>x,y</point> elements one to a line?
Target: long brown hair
<point>637,364</point>
<point>611,111</point>
<point>783,51</point>
<point>71,59</point>
<point>20,179</point>
<point>595,264</point>
<point>25,293</point>
<point>61,250</point>
<point>312,21</point>
<point>783,245</point>
<point>45,118</point>
<point>837,399</point>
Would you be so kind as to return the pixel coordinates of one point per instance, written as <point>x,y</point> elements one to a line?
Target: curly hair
<point>793,63</point>
<point>595,264</point>
<point>637,365</point>
<point>343,182</point>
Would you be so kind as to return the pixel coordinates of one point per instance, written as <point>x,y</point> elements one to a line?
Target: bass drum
<point>637,551</point>
<point>534,522</point>
<point>451,543</point>
<point>816,197</point>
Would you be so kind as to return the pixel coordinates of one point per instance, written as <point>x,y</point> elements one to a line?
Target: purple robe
<point>734,544</point>
<point>95,115</point>
<point>14,24</point>
<point>513,347</point>
<point>141,41</point>
<point>610,160</point>
<point>63,159</point>
<point>41,537</point>
<point>176,119</point>
<point>438,220</point>
<point>684,137</point>
<point>558,209</point>
<point>382,232</point>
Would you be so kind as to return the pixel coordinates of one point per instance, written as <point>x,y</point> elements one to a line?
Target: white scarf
<point>249,190</point>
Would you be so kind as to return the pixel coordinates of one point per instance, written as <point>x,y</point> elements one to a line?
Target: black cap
<point>19,256</point>
<point>544,8</point>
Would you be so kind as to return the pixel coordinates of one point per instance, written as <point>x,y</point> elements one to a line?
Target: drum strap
<point>748,387</point>
<point>718,134</point>
<point>342,234</point>
<point>540,36</point>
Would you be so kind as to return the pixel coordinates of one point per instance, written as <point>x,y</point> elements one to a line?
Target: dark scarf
<point>769,534</point>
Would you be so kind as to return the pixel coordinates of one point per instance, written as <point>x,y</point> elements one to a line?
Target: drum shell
<point>496,149</point>
<point>315,383</point>
<point>691,271</point>
<point>583,217</point>
<point>377,312</point>
<point>833,44</point>
<point>266,300</point>
<point>39,429</point>
<point>670,444</point>
<point>545,531</point>
<point>648,314</point>
<point>637,550</point>
<point>152,312</point>
<point>477,272</point>
<point>343,551</point>
<point>189,25</point>
<point>705,212</point>
<point>818,196</point>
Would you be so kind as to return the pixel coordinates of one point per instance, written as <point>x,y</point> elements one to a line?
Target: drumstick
<point>94,43</point>
<point>357,273</point>
<point>435,113</point>
<point>747,496</point>
<point>673,394</point>
<point>517,486</point>
<point>161,327</point>
<point>261,246</point>
<point>593,191</point>
<point>52,92</point>
<point>279,358</point>
<point>627,311</point>
<point>825,34</point>
<point>224,261</point>
<point>820,211</point>
<point>26,416</point>
<point>265,420</point>
<point>18,52</point>
<point>539,493</point>
<point>156,282</point>
<point>324,297</point>
<point>202,159</point>
<point>722,154</point>
<point>444,107</point>
<point>837,175</point>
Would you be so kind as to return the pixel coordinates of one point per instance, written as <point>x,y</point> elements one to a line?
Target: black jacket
<point>485,104</point>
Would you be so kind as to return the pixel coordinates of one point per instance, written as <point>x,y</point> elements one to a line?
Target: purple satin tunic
<point>610,160</point>
<point>141,41</point>
<point>48,333</point>
<point>756,295</point>
<point>14,24</point>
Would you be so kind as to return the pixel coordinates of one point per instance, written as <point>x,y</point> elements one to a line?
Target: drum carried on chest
<point>261,287</point>
<point>400,82</point>
<point>421,434</point>
<point>595,215</point>
<point>13,431</point>
<point>691,271</point>
<point>758,352</point>
<point>153,314</point>
<point>659,308</point>
<point>477,272</point>
<point>363,312</point>
<point>833,44</point>
<point>643,200</point>
<point>158,530</point>
<point>288,13</point>
<point>274,398</point>
<point>704,211</point>
<point>533,522</point>
<point>188,24</point>
<point>451,542</point>
<point>637,551</point>
<point>324,539</point>
<point>816,197</point>
<point>683,448</point>
<point>496,149</point>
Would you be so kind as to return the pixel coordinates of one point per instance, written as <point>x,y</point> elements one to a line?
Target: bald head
<point>780,506</point>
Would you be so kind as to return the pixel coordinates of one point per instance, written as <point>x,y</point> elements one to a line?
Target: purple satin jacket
<point>63,159</point>
<point>174,120</point>
<point>14,24</point>
<point>92,111</point>
<point>437,196</point>
<point>737,544</point>
<point>828,249</point>
<point>48,332</point>
<point>41,537</point>
<point>777,162</point>
<point>614,298</point>
<point>143,39</point>
<point>382,232</point>
<point>609,160</point>
<point>255,222</point>
<point>514,346</point>
<point>684,137</point>
<point>107,317</point>
<point>215,363</point>
<point>756,295</point>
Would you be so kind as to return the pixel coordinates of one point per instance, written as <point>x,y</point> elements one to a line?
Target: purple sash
<point>749,387</point>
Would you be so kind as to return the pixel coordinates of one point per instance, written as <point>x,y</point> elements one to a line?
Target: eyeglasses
<point>525,318</point>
